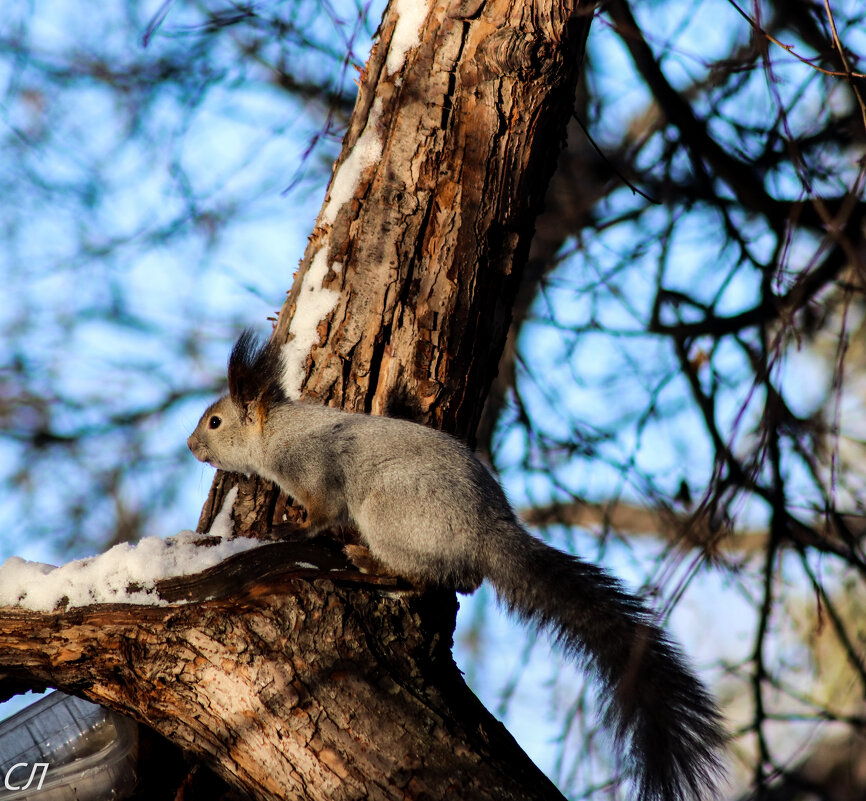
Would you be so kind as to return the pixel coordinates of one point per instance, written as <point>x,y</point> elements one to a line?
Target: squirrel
<point>429,510</point>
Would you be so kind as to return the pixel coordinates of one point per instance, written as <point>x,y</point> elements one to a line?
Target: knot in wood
<point>515,53</point>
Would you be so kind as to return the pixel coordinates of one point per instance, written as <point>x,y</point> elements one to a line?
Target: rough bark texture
<point>432,243</point>
<point>289,686</point>
<point>301,687</point>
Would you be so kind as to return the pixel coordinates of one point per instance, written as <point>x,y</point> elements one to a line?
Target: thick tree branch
<point>285,684</point>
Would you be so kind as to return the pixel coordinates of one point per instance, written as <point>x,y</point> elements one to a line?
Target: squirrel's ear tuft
<point>254,371</point>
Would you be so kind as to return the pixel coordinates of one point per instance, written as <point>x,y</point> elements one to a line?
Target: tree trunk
<point>300,682</point>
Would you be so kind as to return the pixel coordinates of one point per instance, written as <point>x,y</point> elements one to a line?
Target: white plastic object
<point>91,752</point>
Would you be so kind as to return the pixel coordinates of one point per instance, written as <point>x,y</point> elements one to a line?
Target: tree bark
<point>319,684</point>
<point>290,686</point>
<point>432,241</point>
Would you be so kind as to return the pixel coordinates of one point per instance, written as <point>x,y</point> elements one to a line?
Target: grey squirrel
<point>430,511</point>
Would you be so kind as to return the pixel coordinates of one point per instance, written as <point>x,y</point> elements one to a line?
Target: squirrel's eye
<point>214,422</point>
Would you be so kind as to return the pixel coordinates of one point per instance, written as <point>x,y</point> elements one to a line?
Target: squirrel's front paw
<point>364,560</point>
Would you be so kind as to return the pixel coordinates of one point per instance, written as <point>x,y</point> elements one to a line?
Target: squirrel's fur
<point>428,510</point>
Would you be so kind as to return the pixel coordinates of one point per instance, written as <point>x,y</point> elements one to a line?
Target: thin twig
<point>790,48</point>
<point>848,74</point>
<point>610,164</point>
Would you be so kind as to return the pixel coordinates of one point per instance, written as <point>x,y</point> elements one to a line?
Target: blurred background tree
<point>682,393</point>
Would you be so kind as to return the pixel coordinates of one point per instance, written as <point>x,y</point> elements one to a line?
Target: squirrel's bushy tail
<point>664,721</point>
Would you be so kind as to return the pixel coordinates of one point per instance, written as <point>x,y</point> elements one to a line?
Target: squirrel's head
<point>223,438</point>
<point>229,432</point>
